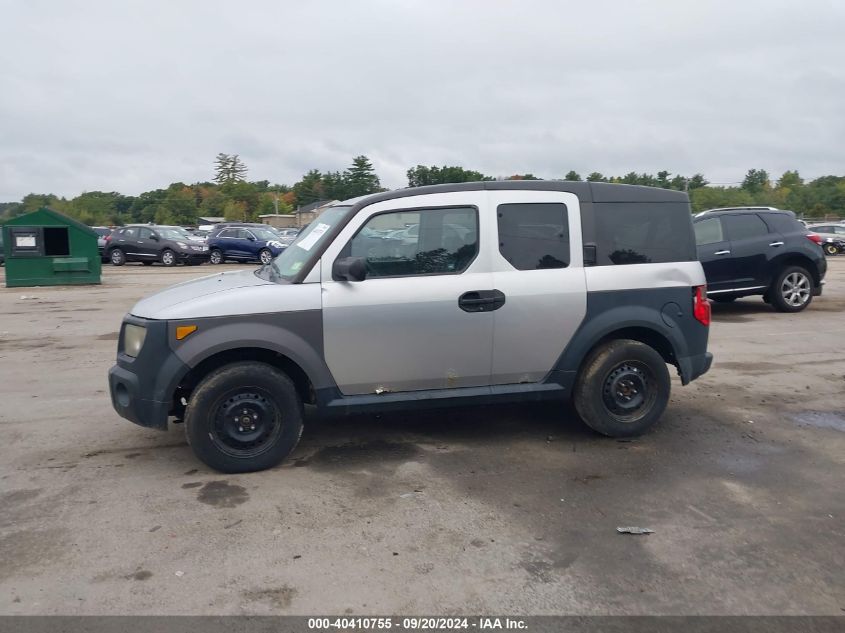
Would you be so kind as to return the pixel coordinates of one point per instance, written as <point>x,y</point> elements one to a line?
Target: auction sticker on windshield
<point>309,240</point>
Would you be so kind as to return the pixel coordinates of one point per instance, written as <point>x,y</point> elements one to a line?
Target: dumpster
<point>47,248</point>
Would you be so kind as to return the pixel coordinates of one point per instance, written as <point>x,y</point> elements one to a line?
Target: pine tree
<point>361,178</point>
<point>229,168</point>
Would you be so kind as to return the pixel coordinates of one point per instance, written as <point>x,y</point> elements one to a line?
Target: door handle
<point>722,253</point>
<point>776,244</point>
<point>481,300</point>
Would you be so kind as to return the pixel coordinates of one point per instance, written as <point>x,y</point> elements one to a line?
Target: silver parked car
<point>833,236</point>
<point>510,291</point>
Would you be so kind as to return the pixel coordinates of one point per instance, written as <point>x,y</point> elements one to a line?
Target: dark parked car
<point>244,243</point>
<point>760,251</point>
<point>150,243</point>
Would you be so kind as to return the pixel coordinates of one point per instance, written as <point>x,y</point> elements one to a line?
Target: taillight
<point>701,305</point>
<point>108,238</point>
<point>814,237</point>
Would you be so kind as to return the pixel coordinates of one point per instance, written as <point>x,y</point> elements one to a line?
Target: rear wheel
<point>792,290</point>
<point>168,257</point>
<point>117,257</point>
<point>265,256</point>
<point>216,256</point>
<point>244,417</point>
<point>622,389</point>
<point>830,248</point>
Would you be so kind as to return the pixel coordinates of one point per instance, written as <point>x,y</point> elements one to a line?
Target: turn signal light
<point>182,331</point>
<point>701,305</point>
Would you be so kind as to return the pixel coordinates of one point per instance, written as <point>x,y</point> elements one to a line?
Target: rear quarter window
<point>643,233</point>
<point>782,223</point>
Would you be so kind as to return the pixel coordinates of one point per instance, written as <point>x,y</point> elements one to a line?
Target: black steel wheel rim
<point>247,422</point>
<point>629,390</point>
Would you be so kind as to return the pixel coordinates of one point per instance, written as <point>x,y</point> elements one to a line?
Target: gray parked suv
<point>508,291</point>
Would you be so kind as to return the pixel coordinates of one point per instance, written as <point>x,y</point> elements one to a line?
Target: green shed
<point>47,248</point>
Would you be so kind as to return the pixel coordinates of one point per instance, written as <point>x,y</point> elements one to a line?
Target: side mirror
<point>349,269</point>
<point>154,237</point>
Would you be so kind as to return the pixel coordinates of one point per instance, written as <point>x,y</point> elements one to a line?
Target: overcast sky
<point>131,96</point>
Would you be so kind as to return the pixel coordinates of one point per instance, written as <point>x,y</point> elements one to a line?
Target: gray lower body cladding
<point>660,317</point>
<point>142,389</point>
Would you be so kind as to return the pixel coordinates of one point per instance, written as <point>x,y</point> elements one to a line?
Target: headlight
<point>181,245</point>
<point>133,339</point>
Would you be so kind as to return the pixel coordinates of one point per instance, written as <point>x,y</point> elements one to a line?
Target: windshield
<point>264,234</point>
<point>173,234</point>
<point>294,257</point>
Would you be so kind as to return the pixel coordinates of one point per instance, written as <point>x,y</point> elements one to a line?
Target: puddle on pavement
<point>821,419</point>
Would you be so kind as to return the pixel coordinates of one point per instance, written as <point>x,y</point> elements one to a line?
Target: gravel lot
<point>482,510</point>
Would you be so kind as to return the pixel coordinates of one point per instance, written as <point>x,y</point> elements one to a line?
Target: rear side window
<point>643,233</point>
<point>782,223</point>
<point>534,236</point>
<point>130,234</point>
<point>746,226</point>
<point>708,231</point>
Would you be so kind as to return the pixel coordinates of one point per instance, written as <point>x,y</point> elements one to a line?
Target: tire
<point>147,263</point>
<point>117,257</point>
<point>792,290</point>
<point>831,249</point>
<point>215,422</point>
<point>723,299</point>
<point>265,256</point>
<point>622,389</point>
<point>168,257</point>
<point>216,256</point>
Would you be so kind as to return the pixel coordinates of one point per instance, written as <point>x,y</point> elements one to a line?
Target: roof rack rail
<point>749,208</point>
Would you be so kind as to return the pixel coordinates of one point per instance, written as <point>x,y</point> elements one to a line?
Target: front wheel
<point>622,389</point>
<point>792,290</point>
<point>265,256</point>
<point>168,257</point>
<point>244,417</point>
<point>117,257</point>
<point>216,256</point>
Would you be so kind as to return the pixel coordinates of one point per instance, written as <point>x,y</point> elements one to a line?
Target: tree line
<point>229,194</point>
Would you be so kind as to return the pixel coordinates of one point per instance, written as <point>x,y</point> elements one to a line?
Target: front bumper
<point>142,388</point>
<point>192,256</point>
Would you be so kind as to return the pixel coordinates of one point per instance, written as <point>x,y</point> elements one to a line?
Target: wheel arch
<point>796,259</point>
<point>189,381</point>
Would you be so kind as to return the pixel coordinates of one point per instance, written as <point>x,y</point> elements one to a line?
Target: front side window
<point>708,232</point>
<point>417,242</point>
<point>534,236</point>
<point>746,226</point>
<point>144,234</point>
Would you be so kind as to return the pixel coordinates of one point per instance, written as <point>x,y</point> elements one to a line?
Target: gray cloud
<point>134,95</point>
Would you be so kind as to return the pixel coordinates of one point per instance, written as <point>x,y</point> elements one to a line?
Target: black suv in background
<point>759,251</point>
<point>152,243</point>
